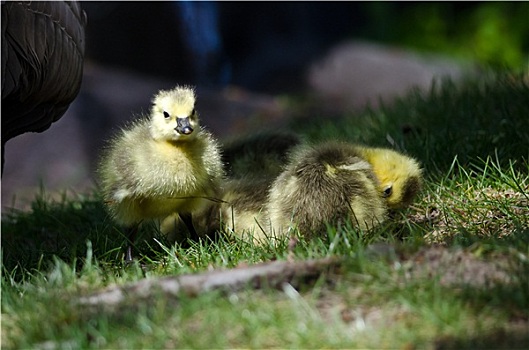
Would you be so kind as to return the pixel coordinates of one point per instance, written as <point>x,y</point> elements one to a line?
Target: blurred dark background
<point>260,45</point>
<point>266,46</point>
<point>247,59</point>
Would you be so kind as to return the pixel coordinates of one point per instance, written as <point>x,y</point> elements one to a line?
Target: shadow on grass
<point>504,339</point>
<point>59,228</point>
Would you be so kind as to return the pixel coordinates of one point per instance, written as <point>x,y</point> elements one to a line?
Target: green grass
<point>414,282</point>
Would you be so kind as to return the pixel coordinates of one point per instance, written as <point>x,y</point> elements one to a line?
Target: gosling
<point>325,184</point>
<point>161,165</point>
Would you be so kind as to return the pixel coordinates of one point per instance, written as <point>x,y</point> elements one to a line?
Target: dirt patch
<point>456,267</point>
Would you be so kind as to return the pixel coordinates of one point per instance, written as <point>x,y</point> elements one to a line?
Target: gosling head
<point>173,115</point>
<point>400,176</point>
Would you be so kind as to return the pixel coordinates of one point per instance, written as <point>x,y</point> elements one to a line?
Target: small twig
<point>272,274</point>
<point>211,199</point>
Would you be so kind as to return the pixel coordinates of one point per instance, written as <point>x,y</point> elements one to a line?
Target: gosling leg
<point>130,232</point>
<point>188,221</point>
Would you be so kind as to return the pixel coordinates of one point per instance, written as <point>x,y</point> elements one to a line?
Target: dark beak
<point>183,127</point>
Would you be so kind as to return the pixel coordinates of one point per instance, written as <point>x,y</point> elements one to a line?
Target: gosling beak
<point>183,127</point>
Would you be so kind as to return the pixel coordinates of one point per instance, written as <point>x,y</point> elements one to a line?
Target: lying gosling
<point>161,164</point>
<point>325,184</point>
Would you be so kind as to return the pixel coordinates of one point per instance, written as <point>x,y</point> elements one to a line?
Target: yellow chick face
<point>173,115</point>
<point>400,177</point>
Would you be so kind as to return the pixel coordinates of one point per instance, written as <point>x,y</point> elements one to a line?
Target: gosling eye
<point>387,191</point>
<point>166,115</point>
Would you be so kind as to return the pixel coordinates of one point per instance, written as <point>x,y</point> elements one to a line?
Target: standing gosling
<point>324,184</point>
<point>399,176</point>
<point>161,165</point>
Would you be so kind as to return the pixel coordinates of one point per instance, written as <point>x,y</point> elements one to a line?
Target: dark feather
<point>42,63</point>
